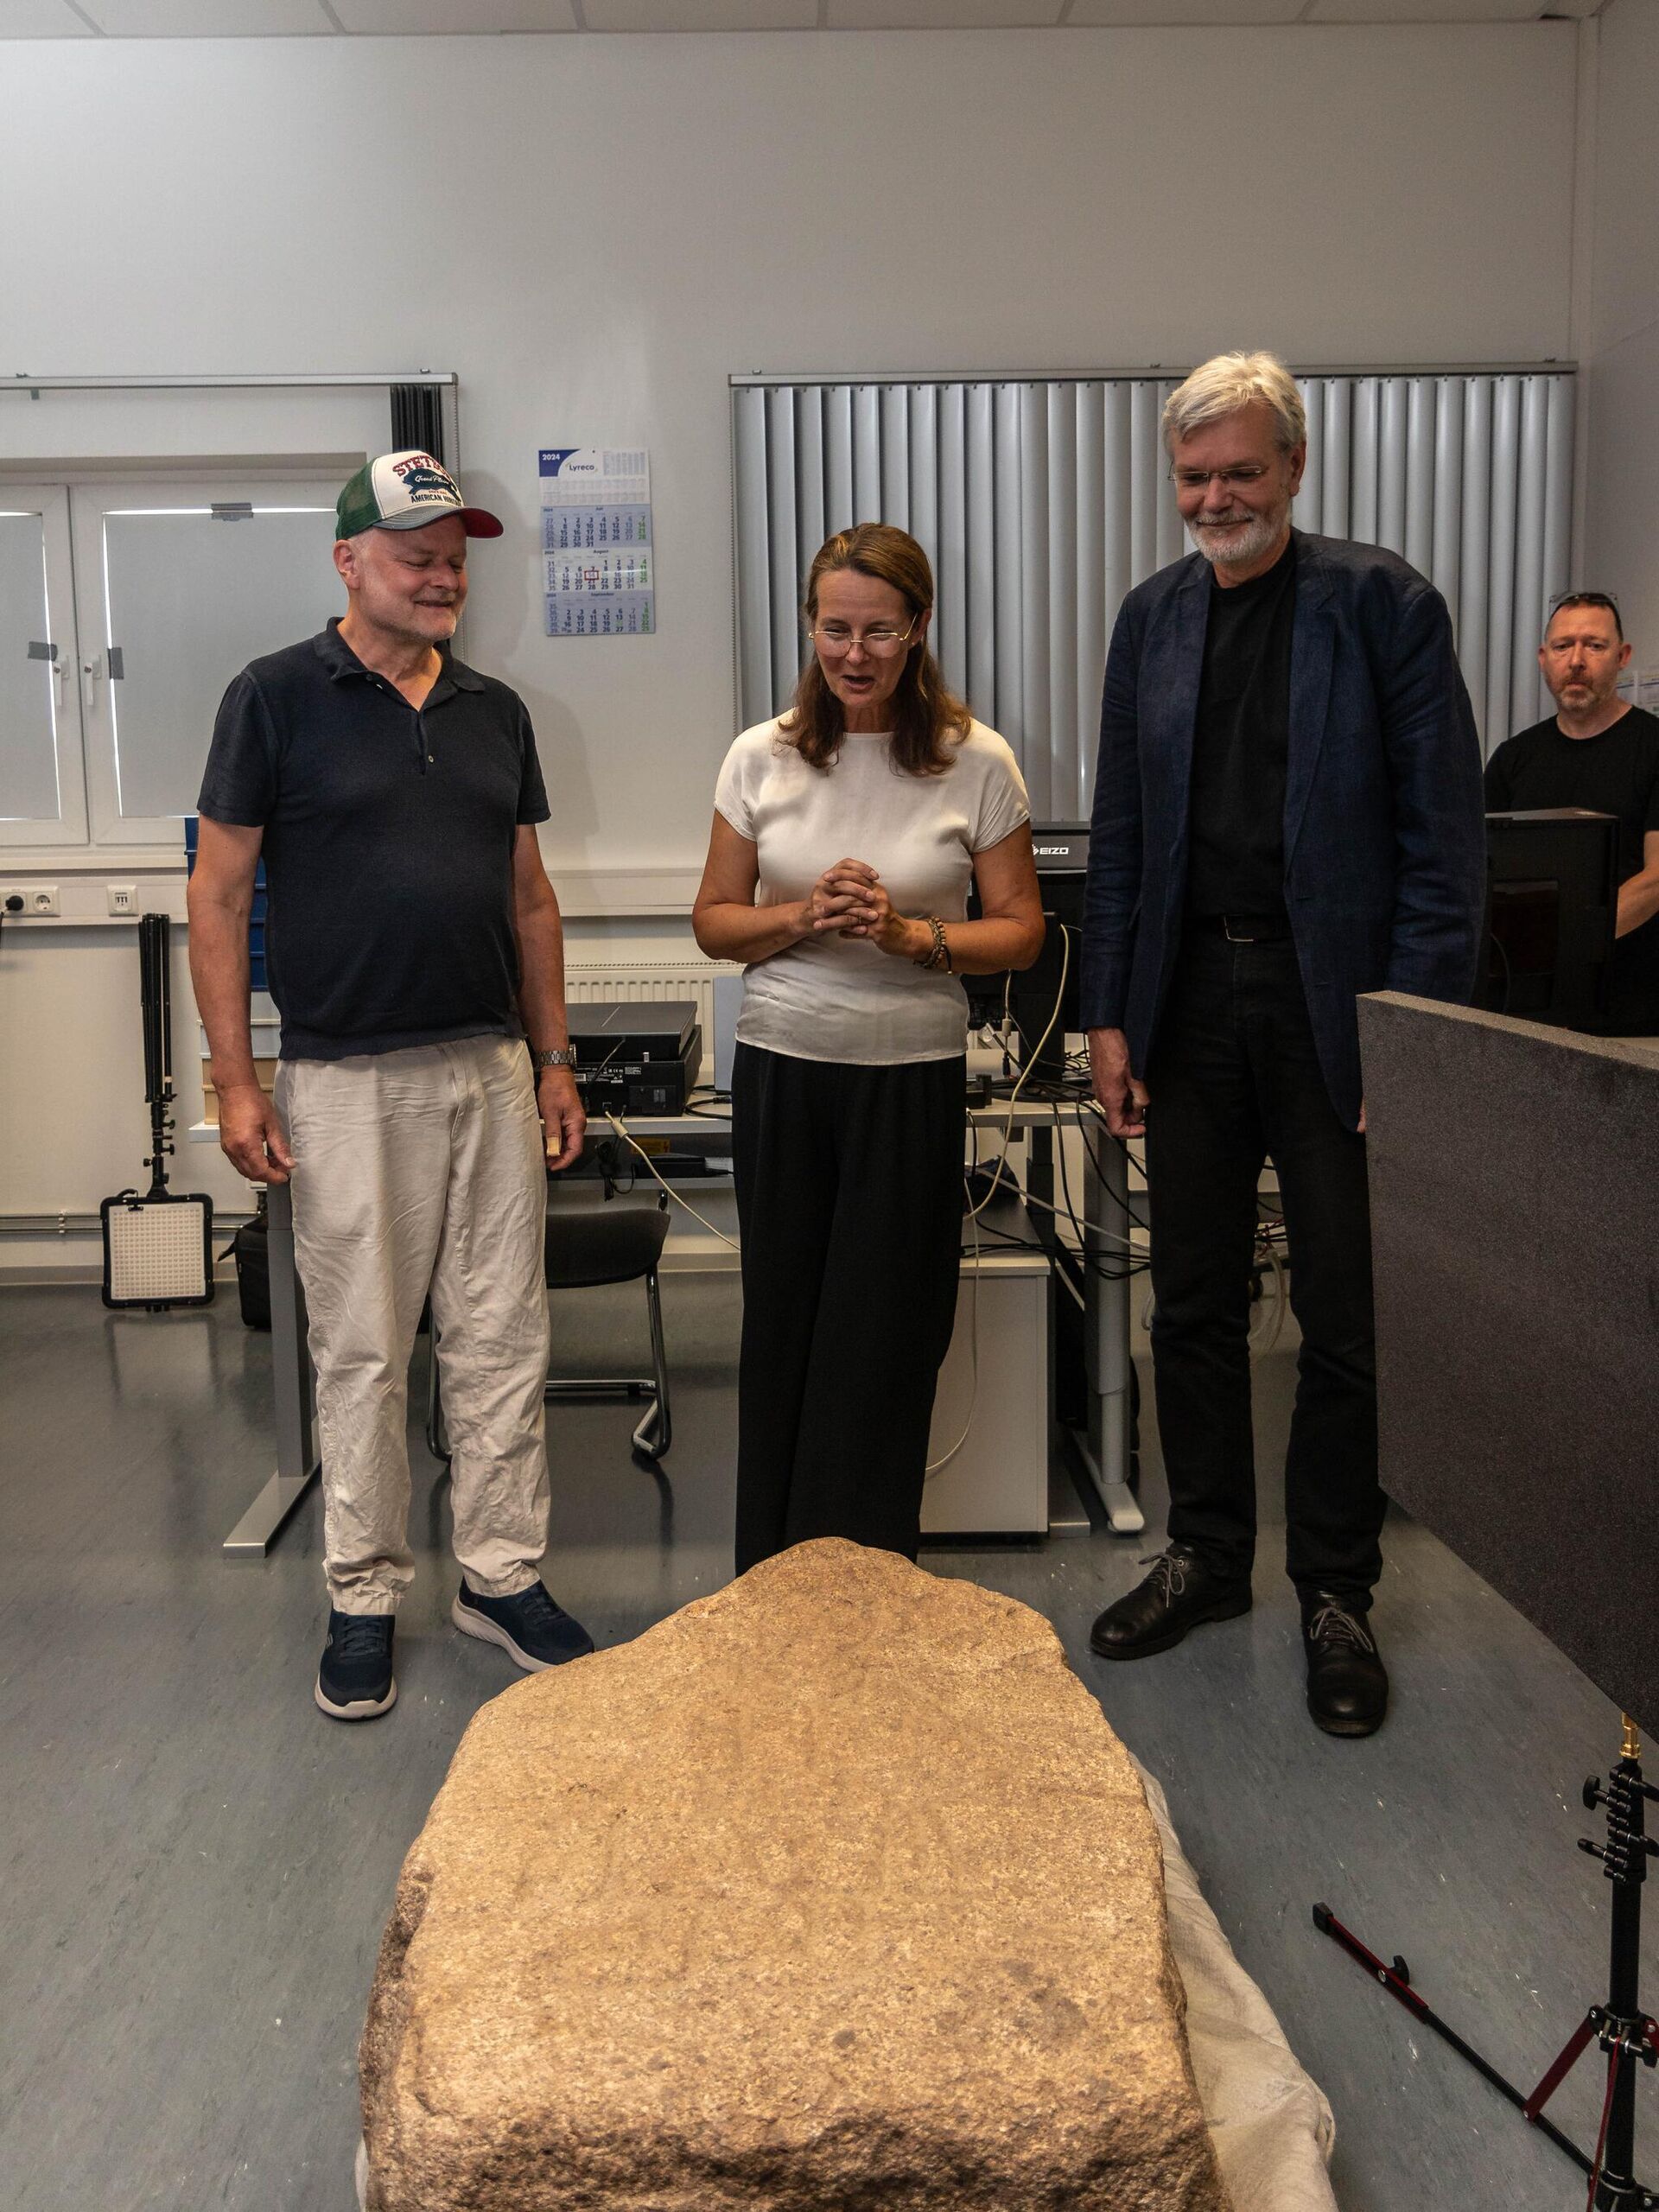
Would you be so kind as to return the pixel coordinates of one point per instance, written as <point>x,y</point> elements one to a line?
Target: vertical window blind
<point>1041,502</point>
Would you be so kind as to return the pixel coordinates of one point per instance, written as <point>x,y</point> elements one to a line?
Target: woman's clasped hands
<point>849,900</point>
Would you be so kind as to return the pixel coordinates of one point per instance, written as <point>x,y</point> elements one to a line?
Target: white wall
<point>1623,491</point>
<point>595,232</point>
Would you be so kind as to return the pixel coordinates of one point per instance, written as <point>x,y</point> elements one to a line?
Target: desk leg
<point>291,1387</point>
<point>1105,1450</point>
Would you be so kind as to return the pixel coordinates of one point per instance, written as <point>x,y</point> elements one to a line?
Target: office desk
<point>1103,1444</point>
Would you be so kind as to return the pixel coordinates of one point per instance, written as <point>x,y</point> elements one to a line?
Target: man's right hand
<point>251,1135</point>
<point>1123,1096</point>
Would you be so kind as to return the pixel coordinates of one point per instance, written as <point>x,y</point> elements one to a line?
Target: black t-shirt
<point>1616,772</point>
<point>388,844</point>
<point>1240,743</point>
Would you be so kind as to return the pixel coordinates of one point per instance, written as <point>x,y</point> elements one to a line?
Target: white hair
<point>1228,382</point>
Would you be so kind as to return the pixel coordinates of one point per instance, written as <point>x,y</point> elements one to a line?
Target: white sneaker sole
<point>363,1708</point>
<point>479,1625</point>
<point>489,1631</point>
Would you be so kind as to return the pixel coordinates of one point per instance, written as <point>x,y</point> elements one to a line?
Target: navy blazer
<point>1384,827</point>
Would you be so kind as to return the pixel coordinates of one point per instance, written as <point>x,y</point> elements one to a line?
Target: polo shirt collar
<point>343,665</point>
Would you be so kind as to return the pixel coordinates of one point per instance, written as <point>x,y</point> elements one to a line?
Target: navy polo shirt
<point>389,837</point>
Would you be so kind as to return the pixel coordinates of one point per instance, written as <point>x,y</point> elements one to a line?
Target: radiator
<point>586,982</point>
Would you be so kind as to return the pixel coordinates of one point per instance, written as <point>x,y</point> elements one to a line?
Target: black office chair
<point>586,1248</point>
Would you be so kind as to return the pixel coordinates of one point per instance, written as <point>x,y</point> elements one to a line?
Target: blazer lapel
<point>1313,649</point>
<point>1179,681</point>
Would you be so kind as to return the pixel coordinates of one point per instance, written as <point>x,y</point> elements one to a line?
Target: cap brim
<point>479,521</point>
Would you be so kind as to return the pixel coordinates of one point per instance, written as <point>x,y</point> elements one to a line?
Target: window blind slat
<point>1041,503</point>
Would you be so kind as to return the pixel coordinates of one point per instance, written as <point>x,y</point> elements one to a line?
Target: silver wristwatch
<point>565,1059</point>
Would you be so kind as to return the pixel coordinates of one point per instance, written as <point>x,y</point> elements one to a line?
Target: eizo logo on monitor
<point>422,473</point>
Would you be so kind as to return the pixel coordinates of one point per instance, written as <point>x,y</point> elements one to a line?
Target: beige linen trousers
<point>423,1171</point>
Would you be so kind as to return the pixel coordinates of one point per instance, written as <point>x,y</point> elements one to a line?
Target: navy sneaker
<point>355,1680</point>
<point>528,1626</point>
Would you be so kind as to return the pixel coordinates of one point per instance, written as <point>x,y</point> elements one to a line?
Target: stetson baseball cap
<point>404,491</point>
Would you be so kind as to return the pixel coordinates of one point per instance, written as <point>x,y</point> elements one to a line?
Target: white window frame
<point>89,431</point>
<point>90,502</point>
<point>69,826</point>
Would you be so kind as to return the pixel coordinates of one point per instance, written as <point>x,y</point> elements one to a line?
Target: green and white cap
<point>404,491</point>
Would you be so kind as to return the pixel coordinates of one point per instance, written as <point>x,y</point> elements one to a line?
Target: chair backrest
<point>612,1242</point>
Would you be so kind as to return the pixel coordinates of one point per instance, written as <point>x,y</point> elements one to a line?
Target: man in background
<point>1287,813</point>
<point>414,944</point>
<point>1596,751</point>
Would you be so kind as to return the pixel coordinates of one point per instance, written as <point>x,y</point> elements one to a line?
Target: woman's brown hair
<point>928,719</point>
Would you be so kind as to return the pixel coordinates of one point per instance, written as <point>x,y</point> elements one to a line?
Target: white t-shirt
<point>835,998</point>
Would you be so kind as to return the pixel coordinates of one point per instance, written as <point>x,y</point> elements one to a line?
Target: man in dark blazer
<point>1287,812</point>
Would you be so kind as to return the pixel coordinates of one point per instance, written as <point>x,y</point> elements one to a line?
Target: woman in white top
<point>846,835</point>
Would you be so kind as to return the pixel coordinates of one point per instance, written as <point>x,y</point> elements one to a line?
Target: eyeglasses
<point>881,641</point>
<point>1583,598</point>
<point>1231,479</point>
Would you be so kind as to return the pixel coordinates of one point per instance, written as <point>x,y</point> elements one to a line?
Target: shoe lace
<point>535,1606</point>
<point>1168,1572</point>
<point>360,1635</point>
<point>1333,1624</point>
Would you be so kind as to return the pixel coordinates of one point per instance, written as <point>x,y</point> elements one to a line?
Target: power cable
<point>620,1128</point>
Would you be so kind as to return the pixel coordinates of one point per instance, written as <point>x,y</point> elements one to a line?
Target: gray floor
<point>196,1866</point>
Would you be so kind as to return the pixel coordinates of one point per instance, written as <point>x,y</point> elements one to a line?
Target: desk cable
<point>1030,1060</point>
<point>622,1129</point>
<point>973,1211</point>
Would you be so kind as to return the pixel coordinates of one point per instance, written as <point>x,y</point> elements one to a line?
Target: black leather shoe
<point>1181,1590</point>
<point>1347,1682</point>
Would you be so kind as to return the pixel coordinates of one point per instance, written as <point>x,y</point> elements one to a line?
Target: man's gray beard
<point>1250,544</point>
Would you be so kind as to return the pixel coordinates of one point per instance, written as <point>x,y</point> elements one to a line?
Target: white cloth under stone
<point>1267,2117</point>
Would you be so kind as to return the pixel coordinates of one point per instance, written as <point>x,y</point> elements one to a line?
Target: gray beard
<point>1244,541</point>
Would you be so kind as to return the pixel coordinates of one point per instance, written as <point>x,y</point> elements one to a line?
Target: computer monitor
<point>1034,995</point>
<point>1552,897</point>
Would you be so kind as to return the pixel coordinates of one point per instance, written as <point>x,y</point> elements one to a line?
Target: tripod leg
<point>1572,2052</point>
<point>1394,1981</point>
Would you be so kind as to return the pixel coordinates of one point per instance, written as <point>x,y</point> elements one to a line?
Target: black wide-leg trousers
<point>1235,1079</point>
<point>849,1204</point>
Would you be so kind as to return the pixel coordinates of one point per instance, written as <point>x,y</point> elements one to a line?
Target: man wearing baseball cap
<point>414,949</point>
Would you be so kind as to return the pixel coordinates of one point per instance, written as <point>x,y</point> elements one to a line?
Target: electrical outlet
<point>18,902</point>
<point>124,898</point>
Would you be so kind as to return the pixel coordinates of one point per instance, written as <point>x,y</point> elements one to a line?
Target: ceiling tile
<point>700,15</point>
<point>1184,11</point>
<point>940,14</point>
<point>1426,11</point>
<point>389,17</point>
<point>40,19</point>
<point>207,18</point>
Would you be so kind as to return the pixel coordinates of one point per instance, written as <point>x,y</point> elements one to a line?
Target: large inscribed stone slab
<point>834,1890</point>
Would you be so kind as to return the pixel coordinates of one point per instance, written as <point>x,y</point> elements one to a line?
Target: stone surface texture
<point>834,1890</point>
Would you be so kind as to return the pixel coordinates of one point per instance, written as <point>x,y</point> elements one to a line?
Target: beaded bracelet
<point>939,953</point>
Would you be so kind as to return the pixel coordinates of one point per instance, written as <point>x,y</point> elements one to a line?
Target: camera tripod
<point>1619,2027</point>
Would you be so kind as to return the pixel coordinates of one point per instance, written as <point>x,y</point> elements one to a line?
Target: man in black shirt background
<point>413,944</point>
<point>1287,813</point>
<point>1596,751</point>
